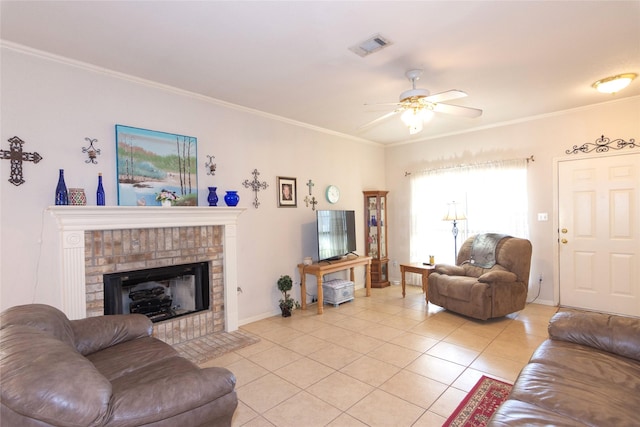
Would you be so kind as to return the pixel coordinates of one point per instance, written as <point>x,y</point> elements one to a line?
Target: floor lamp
<point>454,215</point>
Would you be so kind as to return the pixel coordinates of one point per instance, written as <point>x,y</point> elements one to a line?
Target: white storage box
<point>337,291</point>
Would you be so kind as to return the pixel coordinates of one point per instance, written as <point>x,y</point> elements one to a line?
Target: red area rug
<point>481,402</point>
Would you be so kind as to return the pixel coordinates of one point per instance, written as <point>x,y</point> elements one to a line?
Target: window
<point>493,197</point>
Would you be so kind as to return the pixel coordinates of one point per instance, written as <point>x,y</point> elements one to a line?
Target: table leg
<point>320,294</point>
<point>303,288</point>
<point>368,279</point>
<point>425,285</point>
<point>403,282</point>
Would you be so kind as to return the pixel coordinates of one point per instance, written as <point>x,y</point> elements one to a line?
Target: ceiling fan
<point>418,105</point>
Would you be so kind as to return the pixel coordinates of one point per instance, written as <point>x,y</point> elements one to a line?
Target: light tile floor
<point>378,361</point>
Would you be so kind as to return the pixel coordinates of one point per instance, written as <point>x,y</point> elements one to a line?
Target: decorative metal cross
<point>255,185</point>
<point>17,156</point>
<point>310,184</point>
<point>311,200</point>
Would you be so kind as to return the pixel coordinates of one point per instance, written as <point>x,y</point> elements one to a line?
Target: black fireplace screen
<point>158,293</point>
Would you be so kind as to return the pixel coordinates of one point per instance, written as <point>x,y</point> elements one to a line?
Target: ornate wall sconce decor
<point>91,151</point>
<point>211,167</point>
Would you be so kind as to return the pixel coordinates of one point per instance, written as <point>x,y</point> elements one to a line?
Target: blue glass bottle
<point>100,192</point>
<point>62,197</point>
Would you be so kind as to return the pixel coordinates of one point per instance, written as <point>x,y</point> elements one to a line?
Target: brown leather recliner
<point>494,287</point>
<point>102,371</point>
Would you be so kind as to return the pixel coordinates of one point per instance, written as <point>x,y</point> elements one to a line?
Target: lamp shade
<point>454,213</point>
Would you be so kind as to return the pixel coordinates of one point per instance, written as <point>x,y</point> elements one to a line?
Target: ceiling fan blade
<point>446,96</point>
<point>379,119</point>
<point>383,103</point>
<point>457,110</point>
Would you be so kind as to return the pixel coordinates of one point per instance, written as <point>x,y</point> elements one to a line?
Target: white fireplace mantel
<point>73,221</point>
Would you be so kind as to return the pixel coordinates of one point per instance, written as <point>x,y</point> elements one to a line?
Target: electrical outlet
<point>540,278</point>
<point>395,263</point>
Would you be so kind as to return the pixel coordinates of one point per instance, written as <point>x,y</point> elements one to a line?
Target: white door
<point>599,233</point>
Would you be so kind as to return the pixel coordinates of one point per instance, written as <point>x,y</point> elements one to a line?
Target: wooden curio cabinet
<point>375,225</point>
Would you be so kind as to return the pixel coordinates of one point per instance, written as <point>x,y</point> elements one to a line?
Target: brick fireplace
<point>98,240</point>
<point>131,250</point>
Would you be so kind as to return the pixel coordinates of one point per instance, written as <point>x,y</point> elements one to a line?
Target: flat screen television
<point>336,234</point>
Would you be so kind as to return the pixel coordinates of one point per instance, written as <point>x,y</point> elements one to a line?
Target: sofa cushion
<point>615,334</point>
<point>130,356</point>
<point>43,317</point>
<point>164,389</point>
<point>456,287</point>
<point>47,380</point>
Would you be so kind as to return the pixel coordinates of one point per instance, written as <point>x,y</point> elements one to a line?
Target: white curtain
<point>493,197</point>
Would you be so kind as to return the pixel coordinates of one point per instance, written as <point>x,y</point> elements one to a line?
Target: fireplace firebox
<point>159,293</point>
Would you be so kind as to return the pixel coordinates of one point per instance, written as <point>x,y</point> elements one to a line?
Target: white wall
<point>546,137</point>
<point>53,104</point>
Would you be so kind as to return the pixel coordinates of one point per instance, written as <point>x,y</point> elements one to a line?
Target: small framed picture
<point>287,192</point>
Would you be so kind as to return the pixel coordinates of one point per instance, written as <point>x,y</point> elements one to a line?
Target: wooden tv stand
<point>322,268</point>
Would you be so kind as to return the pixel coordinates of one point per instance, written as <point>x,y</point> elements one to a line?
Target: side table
<point>418,268</point>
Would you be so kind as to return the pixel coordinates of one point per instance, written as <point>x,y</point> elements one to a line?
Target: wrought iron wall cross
<point>311,201</point>
<point>17,156</point>
<point>256,186</point>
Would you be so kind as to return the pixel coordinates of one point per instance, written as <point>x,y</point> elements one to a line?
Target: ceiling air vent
<point>371,45</point>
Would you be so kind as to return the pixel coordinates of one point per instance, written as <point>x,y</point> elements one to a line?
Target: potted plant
<point>287,304</point>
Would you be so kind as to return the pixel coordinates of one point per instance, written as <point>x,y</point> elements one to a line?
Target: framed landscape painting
<point>154,166</point>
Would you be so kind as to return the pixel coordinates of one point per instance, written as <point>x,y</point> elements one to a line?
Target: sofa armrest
<point>614,334</point>
<point>97,333</point>
<point>498,276</point>
<point>47,382</point>
<point>449,270</point>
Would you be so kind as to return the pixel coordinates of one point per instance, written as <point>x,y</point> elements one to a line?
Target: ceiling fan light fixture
<point>413,93</point>
<point>414,119</point>
<point>416,128</point>
<point>614,84</point>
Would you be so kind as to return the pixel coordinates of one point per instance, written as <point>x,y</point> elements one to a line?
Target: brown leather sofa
<point>586,374</point>
<point>102,371</point>
<point>484,292</point>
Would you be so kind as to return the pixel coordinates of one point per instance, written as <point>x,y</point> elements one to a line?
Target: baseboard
<point>541,302</point>
<point>252,319</point>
